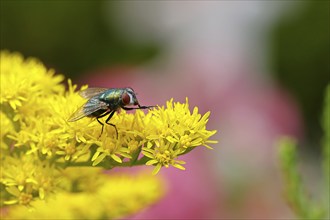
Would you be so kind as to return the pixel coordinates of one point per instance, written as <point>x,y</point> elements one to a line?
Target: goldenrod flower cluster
<point>87,193</point>
<point>38,144</point>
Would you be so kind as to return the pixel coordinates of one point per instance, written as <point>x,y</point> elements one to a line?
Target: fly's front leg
<point>140,107</point>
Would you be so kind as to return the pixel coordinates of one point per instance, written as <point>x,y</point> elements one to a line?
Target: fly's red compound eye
<point>126,99</point>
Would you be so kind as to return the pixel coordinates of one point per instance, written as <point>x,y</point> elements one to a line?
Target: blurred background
<point>260,67</point>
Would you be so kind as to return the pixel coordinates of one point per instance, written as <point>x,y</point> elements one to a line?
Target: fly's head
<point>128,97</point>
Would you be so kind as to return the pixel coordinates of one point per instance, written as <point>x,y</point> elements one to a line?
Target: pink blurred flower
<point>249,114</point>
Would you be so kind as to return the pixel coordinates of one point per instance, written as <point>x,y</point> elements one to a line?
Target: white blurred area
<point>216,53</point>
<point>224,31</point>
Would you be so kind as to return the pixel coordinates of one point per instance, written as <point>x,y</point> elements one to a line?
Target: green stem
<point>142,161</point>
<point>135,156</point>
<point>106,165</point>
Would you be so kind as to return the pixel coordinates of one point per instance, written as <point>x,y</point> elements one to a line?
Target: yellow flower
<point>39,145</point>
<point>163,154</point>
<point>163,134</point>
<point>92,195</point>
<point>175,131</point>
<point>25,176</point>
<point>20,78</point>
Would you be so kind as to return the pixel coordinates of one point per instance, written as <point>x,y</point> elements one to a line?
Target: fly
<point>104,101</point>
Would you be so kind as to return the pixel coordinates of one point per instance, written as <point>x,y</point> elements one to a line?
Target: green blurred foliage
<point>70,36</point>
<point>326,146</point>
<point>304,206</point>
<point>301,56</point>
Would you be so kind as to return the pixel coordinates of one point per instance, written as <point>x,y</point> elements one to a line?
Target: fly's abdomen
<point>97,113</point>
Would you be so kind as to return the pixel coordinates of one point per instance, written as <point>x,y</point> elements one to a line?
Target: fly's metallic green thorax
<point>103,101</point>
<point>112,97</point>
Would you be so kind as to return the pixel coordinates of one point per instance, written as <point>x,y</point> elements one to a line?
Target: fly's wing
<point>87,109</point>
<point>91,92</point>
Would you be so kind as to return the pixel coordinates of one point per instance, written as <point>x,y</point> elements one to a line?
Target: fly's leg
<point>140,107</point>
<point>100,116</point>
<point>111,113</point>
<point>113,125</point>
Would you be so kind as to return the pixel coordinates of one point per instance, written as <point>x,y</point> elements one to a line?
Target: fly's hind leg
<point>113,125</point>
<point>101,116</point>
<point>100,124</point>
